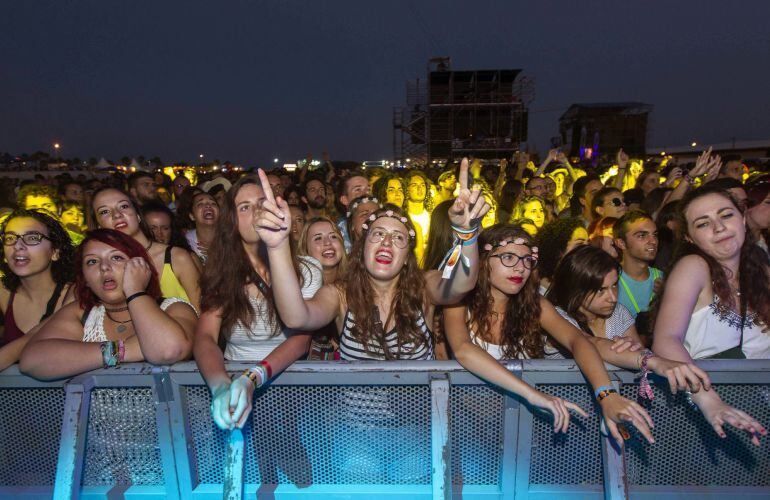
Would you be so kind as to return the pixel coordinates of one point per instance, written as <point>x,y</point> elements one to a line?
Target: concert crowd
<point>646,265</point>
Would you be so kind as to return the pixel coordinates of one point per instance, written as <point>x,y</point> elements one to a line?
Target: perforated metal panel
<point>322,435</point>
<point>31,425</point>
<point>571,458</point>
<point>476,417</point>
<point>688,451</point>
<point>122,439</point>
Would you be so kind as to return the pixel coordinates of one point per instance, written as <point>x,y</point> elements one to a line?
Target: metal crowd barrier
<point>411,430</point>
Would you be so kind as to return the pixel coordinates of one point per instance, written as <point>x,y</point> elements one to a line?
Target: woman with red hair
<point>118,316</point>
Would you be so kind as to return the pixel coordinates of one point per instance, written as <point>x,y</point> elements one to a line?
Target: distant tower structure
<point>595,129</point>
<point>482,113</point>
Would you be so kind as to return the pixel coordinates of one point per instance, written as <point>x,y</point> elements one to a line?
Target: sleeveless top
<point>93,326</point>
<point>496,350</point>
<point>169,283</point>
<point>715,329</point>
<point>257,340</point>
<point>12,331</point>
<point>352,350</point>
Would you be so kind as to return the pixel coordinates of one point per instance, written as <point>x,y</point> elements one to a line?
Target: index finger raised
<point>464,173</point>
<point>269,196</point>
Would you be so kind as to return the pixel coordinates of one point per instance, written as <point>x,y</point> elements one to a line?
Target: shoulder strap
<point>51,306</point>
<point>630,294</point>
<point>84,318</point>
<point>167,257</point>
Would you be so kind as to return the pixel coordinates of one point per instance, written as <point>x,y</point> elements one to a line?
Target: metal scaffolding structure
<point>482,113</point>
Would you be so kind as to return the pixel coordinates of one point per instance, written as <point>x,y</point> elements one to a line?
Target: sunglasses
<point>617,202</point>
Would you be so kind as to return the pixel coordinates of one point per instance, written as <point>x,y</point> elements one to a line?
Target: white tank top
<point>713,329</point>
<point>93,328</point>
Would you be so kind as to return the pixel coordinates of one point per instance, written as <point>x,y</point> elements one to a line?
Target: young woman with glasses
<point>37,269</point>
<point>502,319</point>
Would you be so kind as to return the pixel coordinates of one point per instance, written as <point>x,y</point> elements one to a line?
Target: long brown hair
<point>520,329</point>
<point>408,302</point>
<point>302,243</point>
<point>228,271</point>
<point>752,271</point>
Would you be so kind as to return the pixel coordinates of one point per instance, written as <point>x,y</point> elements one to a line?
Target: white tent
<point>103,164</point>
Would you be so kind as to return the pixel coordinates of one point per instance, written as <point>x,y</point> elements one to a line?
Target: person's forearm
<point>52,359</point>
<point>162,340</point>
<point>590,363</point>
<point>678,193</point>
<point>620,178</point>
<point>464,279</point>
<point>290,350</point>
<point>11,352</point>
<point>287,293</point>
<point>626,359</point>
<point>477,361</point>
<point>211,363</point>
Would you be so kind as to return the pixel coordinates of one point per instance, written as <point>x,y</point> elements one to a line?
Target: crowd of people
<point>646,266</point>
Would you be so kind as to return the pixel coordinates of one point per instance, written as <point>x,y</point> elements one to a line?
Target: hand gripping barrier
<point>410,430</point>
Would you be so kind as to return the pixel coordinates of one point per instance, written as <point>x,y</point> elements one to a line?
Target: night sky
<point>249,81</point>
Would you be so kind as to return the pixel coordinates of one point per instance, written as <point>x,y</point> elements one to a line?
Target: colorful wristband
<point>110,356</point>
<point>471,241</point>
<point>601,389</point>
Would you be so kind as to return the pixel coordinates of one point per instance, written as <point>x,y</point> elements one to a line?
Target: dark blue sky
<point>248,81</point>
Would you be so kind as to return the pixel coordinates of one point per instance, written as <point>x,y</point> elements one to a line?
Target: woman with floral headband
<point>381,306</point>
<point>502,319</point>
<point>358,211</point>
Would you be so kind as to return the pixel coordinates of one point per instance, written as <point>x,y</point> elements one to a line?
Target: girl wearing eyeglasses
<point>37,269</point>
<point>502,319</point>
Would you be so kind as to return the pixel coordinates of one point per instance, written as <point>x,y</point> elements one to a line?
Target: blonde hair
<point>302,243</point>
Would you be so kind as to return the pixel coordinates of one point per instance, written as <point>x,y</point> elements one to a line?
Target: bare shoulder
<point>181,256</point>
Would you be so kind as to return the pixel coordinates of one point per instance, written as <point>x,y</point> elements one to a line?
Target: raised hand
<point>272,220</point>
<point>619,410</point>
<point>701,164</point>
<point>552,155</point>
<point>674,174</point>
<point>621,158</point>
<point>558,407</point>
<point>136,276</point>
<point>469,206</point>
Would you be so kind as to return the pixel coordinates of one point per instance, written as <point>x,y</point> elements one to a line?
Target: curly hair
<point>62,270</point>
<point>34,189</point>
<point>408,301</point>
<point>85,296</point>
<point>552,241</point>
<point>520,208</point>
<point>753,264</point>
<point>520,329</point>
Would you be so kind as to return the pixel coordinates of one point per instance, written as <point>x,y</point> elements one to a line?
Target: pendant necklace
<point>121,328</point>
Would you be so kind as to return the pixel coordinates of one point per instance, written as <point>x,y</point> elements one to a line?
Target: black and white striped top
<point>352,350</point>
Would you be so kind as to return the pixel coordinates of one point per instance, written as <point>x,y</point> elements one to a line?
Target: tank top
<point>12,331</point>
<point>93,323</point>
<point>715,329</point>
<point>351,349</point>
<point>169,283</point>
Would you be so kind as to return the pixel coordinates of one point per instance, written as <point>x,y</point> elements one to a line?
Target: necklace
<point>117,309</point>
<point>121,328</point>
<point>147,248</point>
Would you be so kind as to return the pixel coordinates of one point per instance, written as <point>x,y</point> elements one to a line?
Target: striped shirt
<point>352,350</point>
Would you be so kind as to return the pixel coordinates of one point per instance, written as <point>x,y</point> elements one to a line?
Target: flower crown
<point>518,241</point>
<point>388,213</point>
<point>361,200</point>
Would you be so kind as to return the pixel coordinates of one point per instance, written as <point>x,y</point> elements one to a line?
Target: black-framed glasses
<point>30,239</point>
<point>510,259</point>
<point>617,201</point>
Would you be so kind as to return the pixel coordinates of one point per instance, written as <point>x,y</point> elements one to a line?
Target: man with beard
<point>637,236</point>
<point>314,197</point>
<point>417,197</point>
<point>141,185</point>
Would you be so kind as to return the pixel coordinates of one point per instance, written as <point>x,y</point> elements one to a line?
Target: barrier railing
<point>366,430</point>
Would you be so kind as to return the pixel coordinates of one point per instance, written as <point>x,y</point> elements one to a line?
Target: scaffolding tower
<point>479,113</point>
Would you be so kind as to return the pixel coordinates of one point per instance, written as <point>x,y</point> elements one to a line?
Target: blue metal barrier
<point>365,430</point>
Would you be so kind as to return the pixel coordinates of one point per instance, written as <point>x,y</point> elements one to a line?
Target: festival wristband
<point>121,351</point>
<point>471,241</point>
<point>134,296</point>
<point>110,356</point>
<point>268,368</point>
<point>604,391</point>
<point>645,391</point>
<point>463,231</point>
